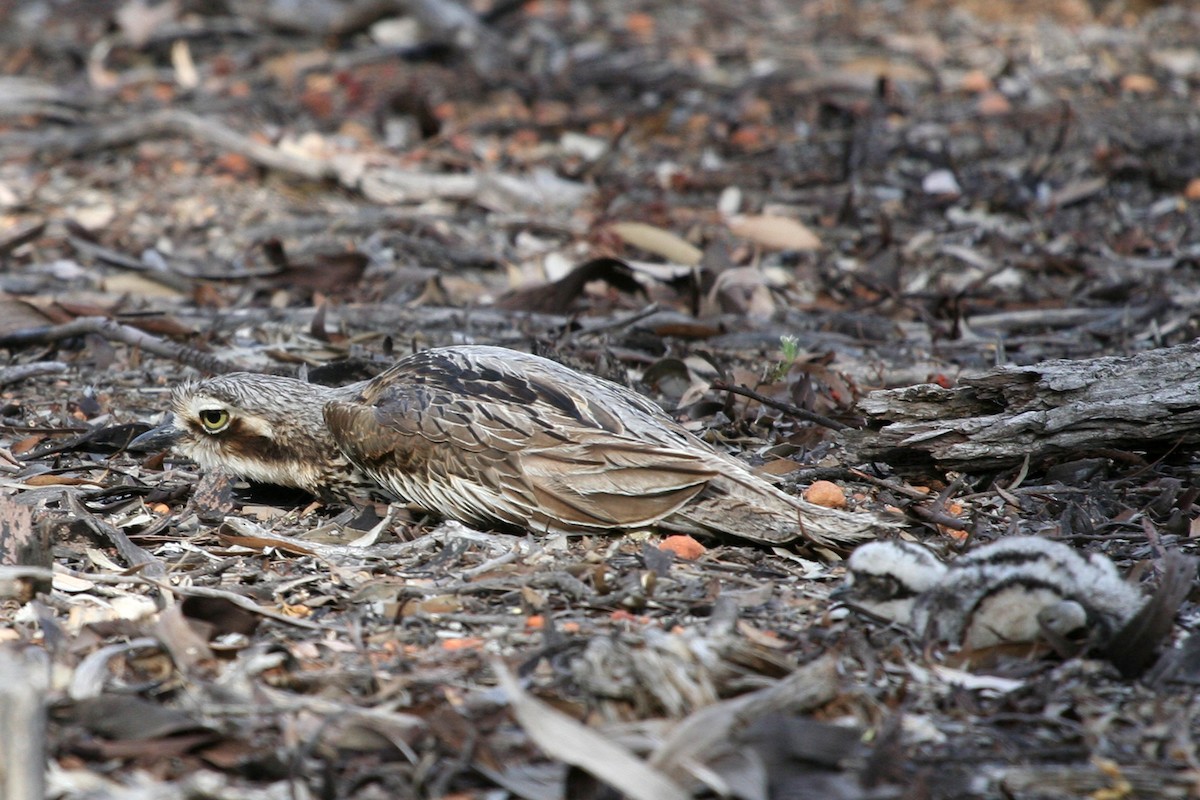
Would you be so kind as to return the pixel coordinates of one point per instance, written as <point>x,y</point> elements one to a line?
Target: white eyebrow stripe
<point>253,424</point>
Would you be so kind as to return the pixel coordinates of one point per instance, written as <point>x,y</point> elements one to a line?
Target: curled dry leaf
<point>561,737</point>
<point>557,297</point>
<point>743,290</point>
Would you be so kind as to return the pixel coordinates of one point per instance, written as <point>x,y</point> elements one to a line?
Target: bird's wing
<point>606,482</point>
<point>540,454</point>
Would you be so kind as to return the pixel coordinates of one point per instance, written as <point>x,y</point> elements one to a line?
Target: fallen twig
<point>171,280</point>
<point>241,601</point>
<point>787,408</point>
<point>115,331</point>
<point>619,322</point>
<point>23,372</point>
<point>94,138</point>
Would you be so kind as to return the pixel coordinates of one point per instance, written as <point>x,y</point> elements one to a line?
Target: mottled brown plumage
<point>491,436</point>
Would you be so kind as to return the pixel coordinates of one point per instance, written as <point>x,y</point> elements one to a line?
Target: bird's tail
<point>740,504</point>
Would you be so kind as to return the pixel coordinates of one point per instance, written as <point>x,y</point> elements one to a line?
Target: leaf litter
<point>807,202</point>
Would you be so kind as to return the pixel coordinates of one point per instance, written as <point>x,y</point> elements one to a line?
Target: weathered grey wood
<point>1088,779</point>
<point>996,419</point>
<point>24,676</point>
<point>22,543</point>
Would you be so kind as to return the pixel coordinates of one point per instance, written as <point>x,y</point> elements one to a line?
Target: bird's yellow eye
<point>214,420</point>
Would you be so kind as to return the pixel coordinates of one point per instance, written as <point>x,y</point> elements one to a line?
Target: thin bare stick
<point>115,331</point>
<point>787,408</point>
<point>241,601</point>
<point>620,322</point>
<point>22,372</point>
<point>100,136</point>
<point>890,485</point>
<point>24,680</point>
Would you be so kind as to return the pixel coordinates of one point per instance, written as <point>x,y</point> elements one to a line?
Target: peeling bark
<point>1149,401</point>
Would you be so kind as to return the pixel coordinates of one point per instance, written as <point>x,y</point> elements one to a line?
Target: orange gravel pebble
<point>826,493</point>
<point>684,547</point>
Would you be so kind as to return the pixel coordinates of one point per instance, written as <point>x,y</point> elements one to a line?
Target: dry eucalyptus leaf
<point>658,241</point>
<point>774,232</point>
<point>561,737</point>
<point>17,314</point>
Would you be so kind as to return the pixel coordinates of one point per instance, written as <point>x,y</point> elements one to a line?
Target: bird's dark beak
<point>836,594</point>
<point>156,439</point>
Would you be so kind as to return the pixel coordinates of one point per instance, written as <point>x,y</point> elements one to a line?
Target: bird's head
<point>886,577</point>
<point>262,427</point>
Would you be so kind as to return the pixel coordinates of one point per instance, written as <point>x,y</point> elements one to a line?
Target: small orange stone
<point>640,25</point>
<point>826,493</point>
<point>684,547</point>
<point>235,164</point>
<point>976,82</point>
<point>1139,84</point>
<point>1192,192</point>
<point>992,104</point>
<point>464,643</point>
<point>749,137</point>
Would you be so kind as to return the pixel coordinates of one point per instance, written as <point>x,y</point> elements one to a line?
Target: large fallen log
<point>1146,402</point>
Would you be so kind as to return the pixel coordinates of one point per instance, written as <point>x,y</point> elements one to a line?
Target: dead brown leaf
<point>775,232</point>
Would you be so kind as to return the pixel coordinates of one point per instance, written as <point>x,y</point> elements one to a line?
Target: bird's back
<point>493,435</point>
